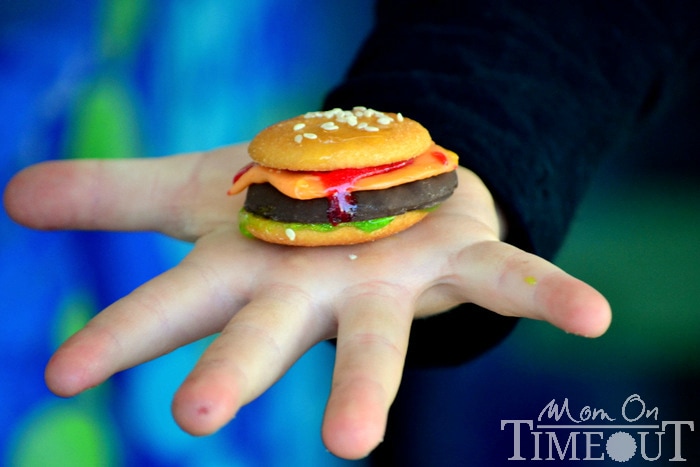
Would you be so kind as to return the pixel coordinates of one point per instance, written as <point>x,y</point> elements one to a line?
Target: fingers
<point>253,351</point>
<point>182,196</point>
<point>502,278</point>
<point>373,331</point>
<point>174,309</point>
<point>87,194</point>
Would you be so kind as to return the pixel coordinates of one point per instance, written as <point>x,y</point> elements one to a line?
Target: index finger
<point>183,196</point>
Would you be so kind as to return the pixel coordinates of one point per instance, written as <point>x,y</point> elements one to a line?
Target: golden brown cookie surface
<point>338,139</point>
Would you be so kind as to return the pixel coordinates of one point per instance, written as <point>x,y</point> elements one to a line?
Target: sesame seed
<point>350,117</point>
<point>291,235</point>
<point>330,126</point>
<point>298,138</point>
<point>352,257</point>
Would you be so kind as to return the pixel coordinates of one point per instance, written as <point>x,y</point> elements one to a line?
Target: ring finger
<point>255,348</point>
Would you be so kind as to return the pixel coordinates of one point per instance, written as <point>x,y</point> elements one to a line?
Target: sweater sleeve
<point>531,95</point>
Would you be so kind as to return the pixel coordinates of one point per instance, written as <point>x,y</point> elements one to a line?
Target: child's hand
<point>272,303</point>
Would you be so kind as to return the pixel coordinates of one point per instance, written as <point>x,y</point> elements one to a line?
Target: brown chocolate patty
<point>266,201</point>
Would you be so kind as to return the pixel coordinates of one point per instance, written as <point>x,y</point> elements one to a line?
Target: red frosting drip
<point>441,157</point>
<point>341,202</point>
<point>243,171</point>
<point>335,179</point>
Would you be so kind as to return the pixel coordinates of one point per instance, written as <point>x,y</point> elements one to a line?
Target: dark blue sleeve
<point>531,95</point>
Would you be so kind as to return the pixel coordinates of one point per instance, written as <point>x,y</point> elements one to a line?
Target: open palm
<point>271,303</point>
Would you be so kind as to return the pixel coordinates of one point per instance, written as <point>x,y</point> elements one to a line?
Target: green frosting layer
<point>244,218</point>
<point>366,226</point>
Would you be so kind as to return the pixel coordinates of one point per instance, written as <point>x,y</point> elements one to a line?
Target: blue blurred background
<point>123,78</point>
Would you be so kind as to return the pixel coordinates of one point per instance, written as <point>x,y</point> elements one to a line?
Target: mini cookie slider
<point>341,177</point>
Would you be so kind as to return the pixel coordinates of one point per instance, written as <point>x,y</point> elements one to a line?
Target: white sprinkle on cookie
<point>336,117</point>
<point>291,234</point>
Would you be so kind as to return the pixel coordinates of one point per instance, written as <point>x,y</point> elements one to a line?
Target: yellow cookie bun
<point>339,139</point>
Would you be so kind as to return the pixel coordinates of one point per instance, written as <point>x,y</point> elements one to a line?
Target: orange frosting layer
<point>308,185</point>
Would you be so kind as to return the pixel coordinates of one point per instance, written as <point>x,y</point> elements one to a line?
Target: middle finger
<point>373,330</point>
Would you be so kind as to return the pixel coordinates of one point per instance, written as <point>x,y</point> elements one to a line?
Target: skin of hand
<point>271,303</point>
